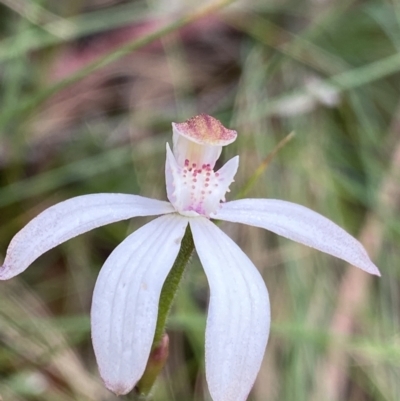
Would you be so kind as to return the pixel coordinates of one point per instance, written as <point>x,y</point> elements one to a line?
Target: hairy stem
<point>172,283</point>
<point>159,353</point>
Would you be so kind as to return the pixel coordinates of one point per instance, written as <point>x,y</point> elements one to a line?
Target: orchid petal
<point>125,300</point>
<point>299,224</point>
<point>70,218</point>
<point>238,316</point>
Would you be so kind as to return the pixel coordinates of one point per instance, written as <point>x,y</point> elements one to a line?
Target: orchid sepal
<point>299,224</point>
<point>70,218</point>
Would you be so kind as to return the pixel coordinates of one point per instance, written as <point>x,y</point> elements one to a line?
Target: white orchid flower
<point>127,291</point>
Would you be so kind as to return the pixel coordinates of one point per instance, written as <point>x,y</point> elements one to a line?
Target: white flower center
<point>200,183</point>
<point>193,187</point>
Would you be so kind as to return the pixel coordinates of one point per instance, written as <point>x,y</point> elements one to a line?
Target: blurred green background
<point>326,69</point>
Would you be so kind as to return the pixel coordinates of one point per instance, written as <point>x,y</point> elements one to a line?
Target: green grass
<point>327,70</point>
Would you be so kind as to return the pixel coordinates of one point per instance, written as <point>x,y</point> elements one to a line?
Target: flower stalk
<point>160,348</point>
<point>157,359</point>
<point>171,285</point>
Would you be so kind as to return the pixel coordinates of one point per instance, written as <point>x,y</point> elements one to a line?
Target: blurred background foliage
<point>326,69</point>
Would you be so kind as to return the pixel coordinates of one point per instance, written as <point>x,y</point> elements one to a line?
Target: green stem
<point>172,283</point>
<point>159,353</point>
